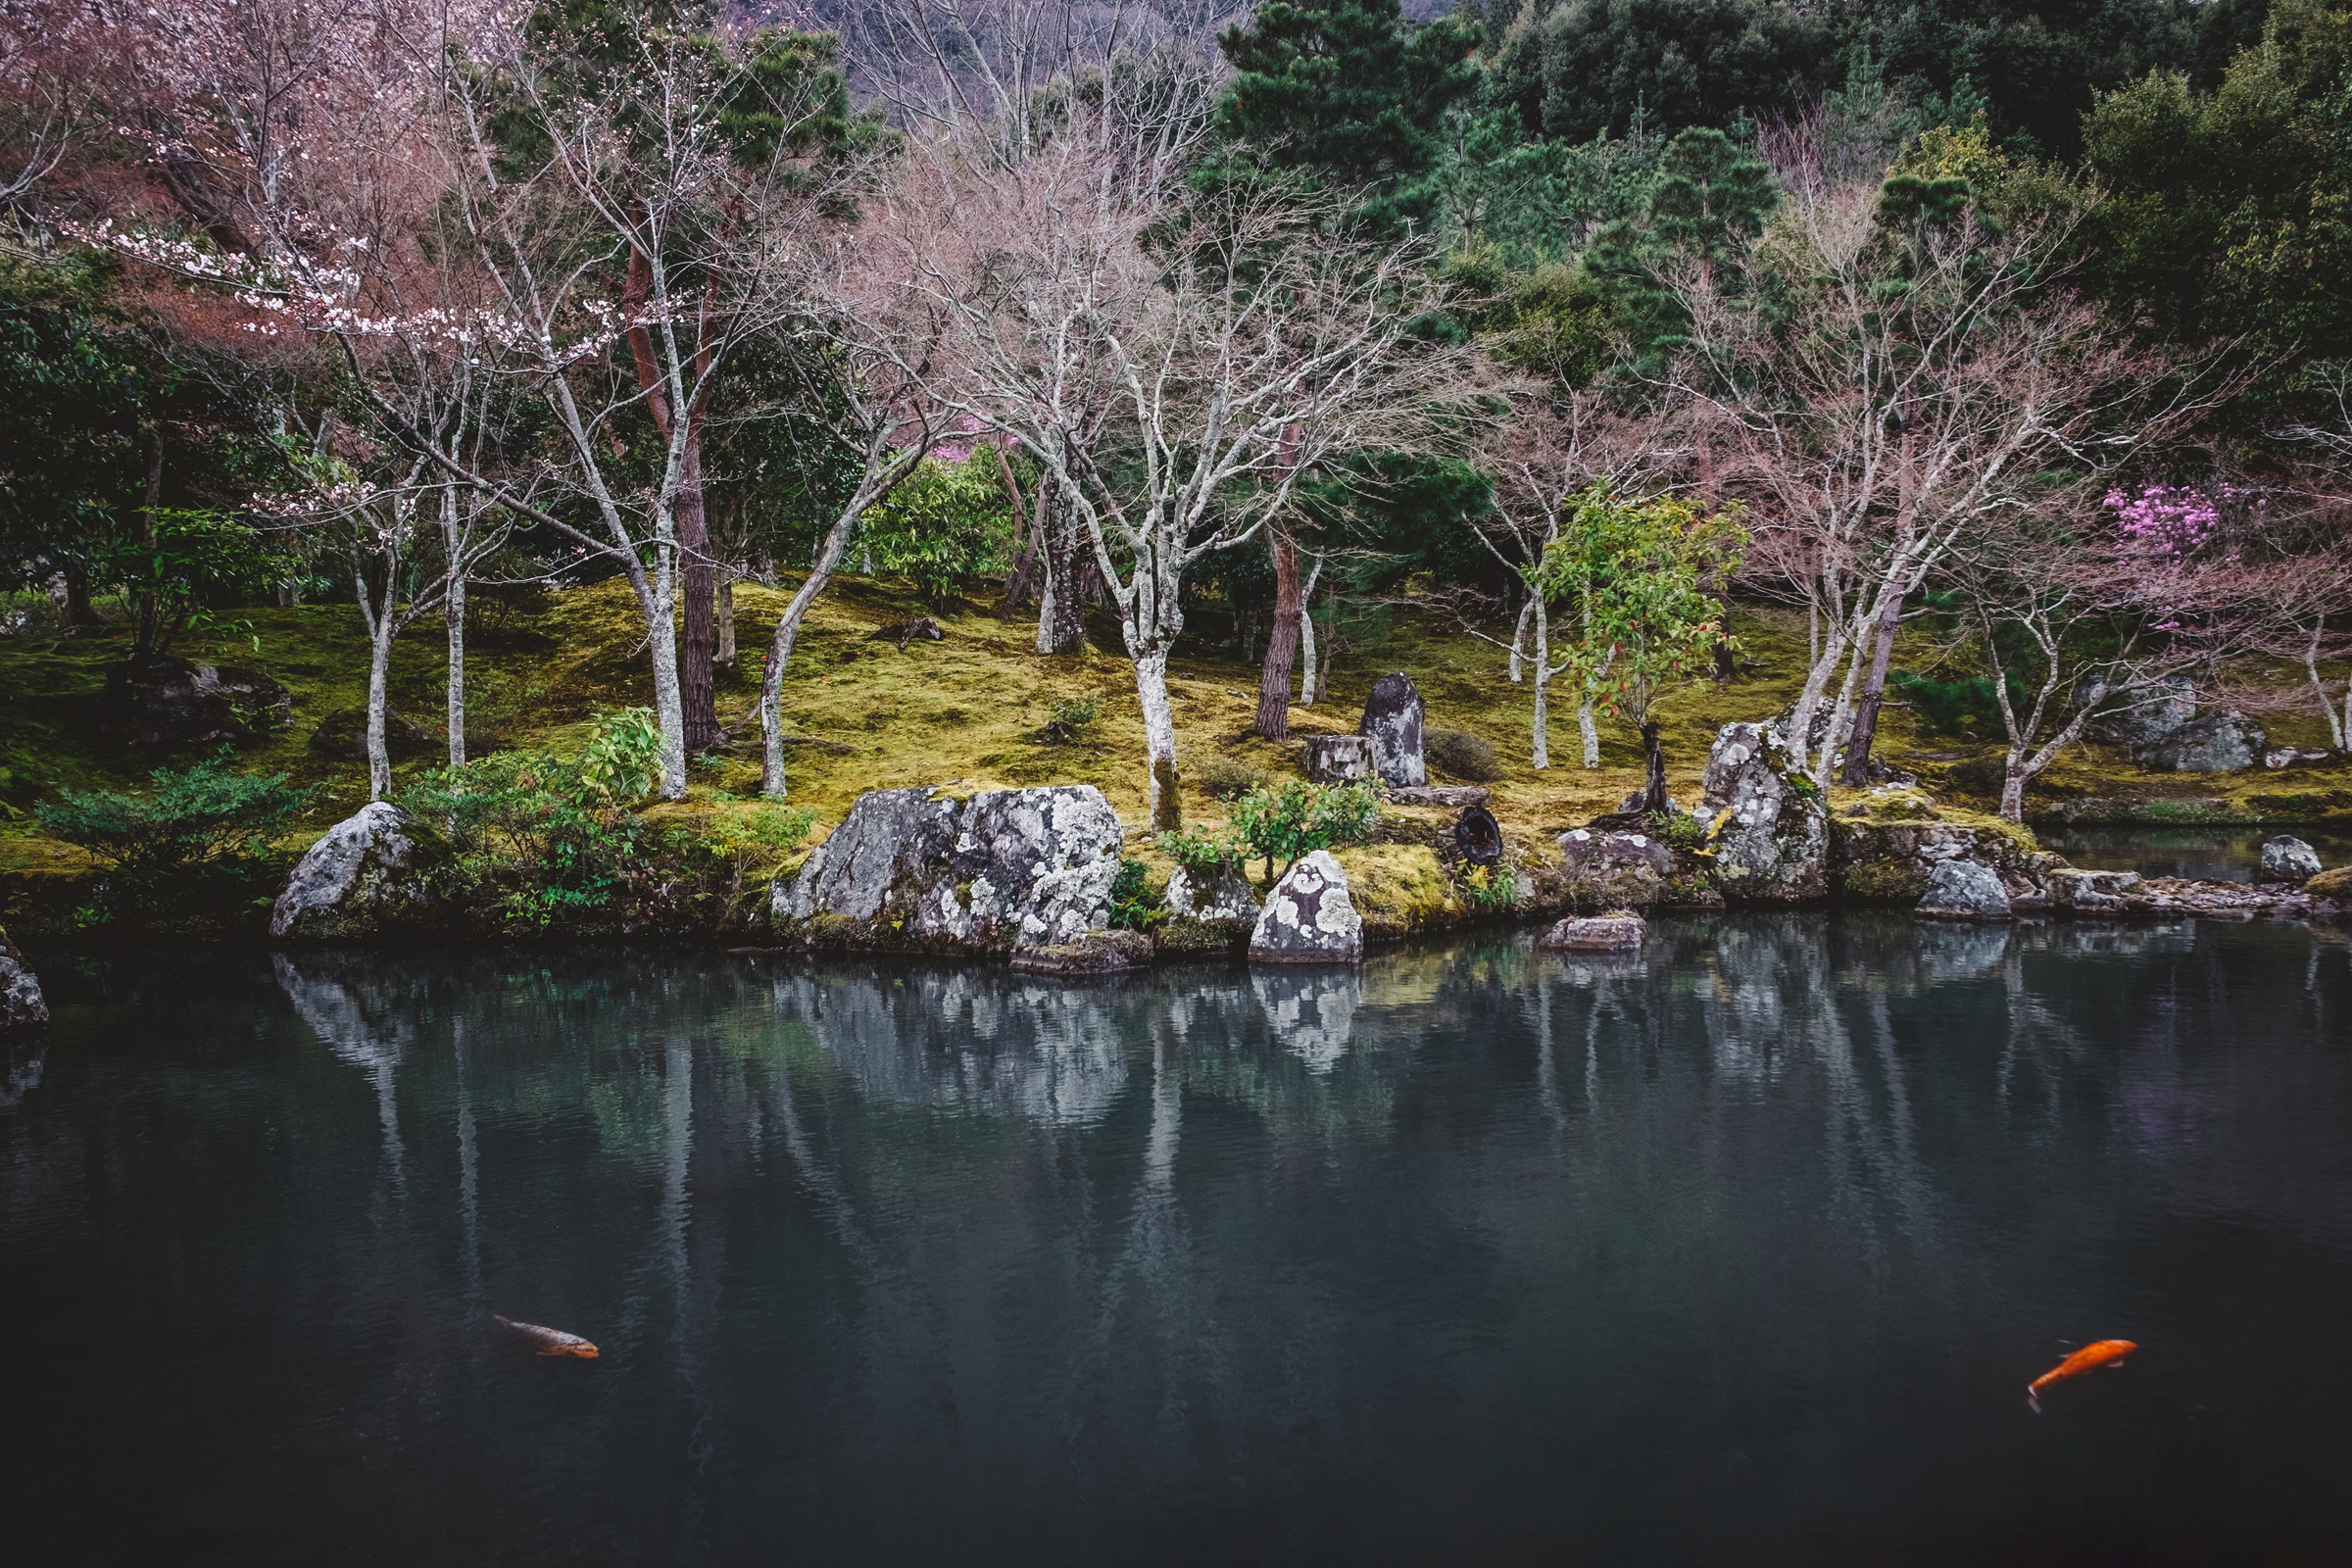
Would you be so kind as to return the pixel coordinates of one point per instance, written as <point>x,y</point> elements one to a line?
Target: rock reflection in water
<point>1310,1012</point>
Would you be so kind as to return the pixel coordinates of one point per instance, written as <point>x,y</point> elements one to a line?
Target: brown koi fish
<point>2089,1358</point>
<point>551,1342</point>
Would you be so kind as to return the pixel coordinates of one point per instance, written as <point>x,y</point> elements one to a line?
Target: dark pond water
<point>1742,1252</point>
<point>2209,854</point>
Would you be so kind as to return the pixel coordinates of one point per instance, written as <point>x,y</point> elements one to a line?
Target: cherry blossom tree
<point>1923,374</point>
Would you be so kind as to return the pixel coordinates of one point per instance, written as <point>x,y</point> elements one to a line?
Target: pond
<point>1744,1249</point>
<point>2205,854</point>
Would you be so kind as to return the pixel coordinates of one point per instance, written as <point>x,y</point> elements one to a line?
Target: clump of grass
<point>1228,779</point>
<point>1461,755</point>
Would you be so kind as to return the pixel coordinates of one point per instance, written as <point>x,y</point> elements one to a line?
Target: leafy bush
<point>1491,889</point>
<point>948,523</point>
<point>1297,818</point>
<point>1201,850</point>
<point>1225,778</point>
<point>204,826</point>
<point>1680,831</point>
<point>1461,755</point>
<point>1132,905</point>
<point>541,838</point>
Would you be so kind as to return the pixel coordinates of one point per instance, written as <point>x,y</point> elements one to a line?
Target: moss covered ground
<point>971,713</point>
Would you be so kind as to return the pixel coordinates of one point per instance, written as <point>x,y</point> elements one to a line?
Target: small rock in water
<point>1619,931</point>
<point>2289,859</point>
<point>1963,890</point>
<point>1308,918</point>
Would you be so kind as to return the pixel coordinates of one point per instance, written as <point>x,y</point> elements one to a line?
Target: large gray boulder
<point>1614,870</point>
<point>1006,870</point>
<point>1771,834</point>
<point>1393,724</point>
<point>1963,890</point>
<point>2289,859</point>
<point>1308,918</point>
<point>2160,711</point>
<point>166,704</point>
<point>374,874</point>
<point>21,1005</point>
<point>2220,742</point>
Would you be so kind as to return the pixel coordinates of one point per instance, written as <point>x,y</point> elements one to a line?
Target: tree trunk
<point>380,668</point>
<point>75,600</point>
<point>1725,666</point>
<point>2013,791</point>
<point>659,598</point>
<point>698,583</point>
<point>1282,643</point>
<point>452,612</point>
<point>1061,599</point>
<point>1306,638</point>
<point>1160,739</point>
<point>1653,790</point>
<point>1866,713</point>
<point>1540,752</point>
<point>829,551</point>
<point>1527,613</point>
<point>723,657</point>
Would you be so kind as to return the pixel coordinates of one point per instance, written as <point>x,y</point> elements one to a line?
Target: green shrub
<point>1490,889</point>
<point>1680,831</point>
<point>1297,818</point>
<point>205,827</point>
<point>622,760</point>
<point>1075,712</point>
<point>1132,904</point>
<point>1461,755</point>
<point>1225,778</point>
<point>1954,706</point>
<point>1201,850</point>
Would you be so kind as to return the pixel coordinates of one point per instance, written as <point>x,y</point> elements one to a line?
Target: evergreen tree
<point>1349,94</point>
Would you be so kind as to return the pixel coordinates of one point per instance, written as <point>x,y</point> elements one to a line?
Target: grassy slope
<point>965,713</point>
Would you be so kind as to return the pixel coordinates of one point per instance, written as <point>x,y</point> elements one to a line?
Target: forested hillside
<point>546,405</point>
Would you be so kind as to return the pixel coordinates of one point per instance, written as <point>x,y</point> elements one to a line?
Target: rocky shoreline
<point>1028,877</point>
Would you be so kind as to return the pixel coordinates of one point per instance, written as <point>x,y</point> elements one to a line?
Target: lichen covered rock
<point>1963,890</point>
<point>374,874</point>
<point>1003,871</point>
<point>1603,870</point>
<point>1771,832</point>
<point>22,1005</point>
<point>164,703</point>
<point>1308,918</point>
<point>1886,848</point>
<point>1393,722</point>
<point>1620,932</point>
<point>2220,742</point>
<point>2289,859</point>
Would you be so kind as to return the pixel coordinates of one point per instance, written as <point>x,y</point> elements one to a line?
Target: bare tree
<point>630,208</point>
<point>1926,373</point>
<point>1174,363</point>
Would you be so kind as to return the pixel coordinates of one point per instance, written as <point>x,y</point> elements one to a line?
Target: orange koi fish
<point>551,1342</point>
<point>2089,1358</point>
